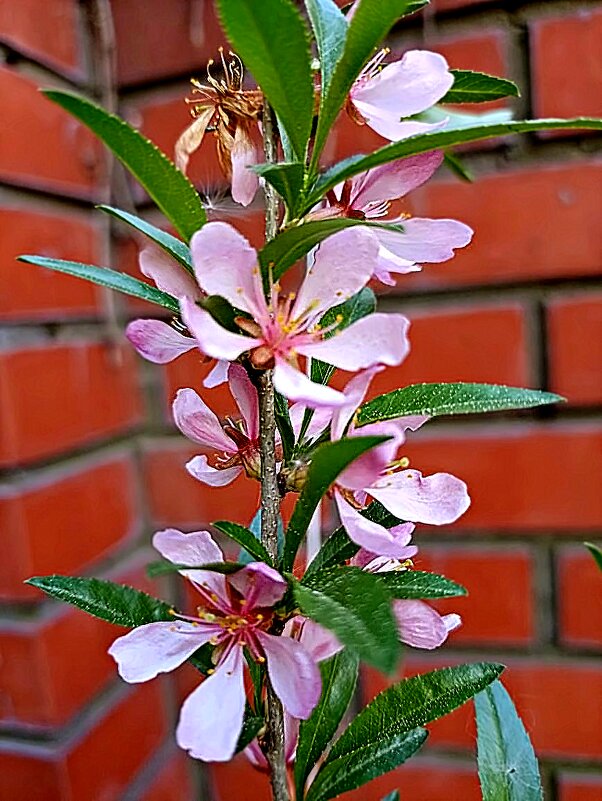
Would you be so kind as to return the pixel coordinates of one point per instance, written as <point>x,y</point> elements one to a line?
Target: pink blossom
<point>235,441</point>
<point>235,612</point>
<point>282,330</point>
<point>382,97</point>
<point>369,196</point>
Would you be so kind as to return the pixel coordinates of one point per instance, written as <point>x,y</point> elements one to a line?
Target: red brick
<point>565,64</point>
<point>34,292</point>
<point>507,619</point>
<point>529,224</point>
<point>25,26</point>
<point>178,37</point>
<point>43,146</point>
<point>574,368</point>
<point>573,786</point>
<point>173,782</point>
<point>20,764</point>
<point>239,779</point>
<point>63,522</point>
<point>579,581</point>
<point>524,477</point>
<point>449,5</point>
<point>86,395</point>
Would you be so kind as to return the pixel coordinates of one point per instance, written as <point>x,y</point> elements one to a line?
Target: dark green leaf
<point>596,552</point>
<point>116,603</point>
<point>330,29</point>
<point>439,399</point>
<point>103,276</point>
<point>285,427</point>
<point>222,311</point>
<point>170,244</point>
<point>394,713</point>
<point>419,584</point>
<point>422,143</point>
<point>245,538</point>
<point>371,22</point>
<point>160,567</point>
<point>202,659</point>
<point>508,768</point>
<point>273,42</point>
<point>286,178</point>
<point>357,608</point>
<point>478,87</point>
<point>339,677</point>
<point>251,726</point>
<point>328,460</point>
<point>454,163</point>
<point>167,186</point>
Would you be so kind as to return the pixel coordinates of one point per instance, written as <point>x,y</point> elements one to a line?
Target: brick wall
<point>89,463</point>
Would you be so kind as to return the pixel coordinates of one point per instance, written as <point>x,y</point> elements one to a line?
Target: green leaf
<point>328,460</point>
<point>222,311</point>
<point>439,399</point>
<point>371,22</point>
<point>596,552</point>
<point>330,29</point>
<point>245,538</point>
<point>251,726</point>
<point>273,42</point>
<point>393,714</point>
<point>339,677</point>
<point>173,246</point>
<point>422,143</point>
<point>286,178</point>
<point>508,768</point>
<point>160,567</point>
<point>357,608</point>
<point>394,796</point>
<point>455,164</point>
<point>285,427</point>
<point>478,87</point>
<point>116,603</point>
<point>111,279</point>
<point>420,584</point>
<point>167,186</point>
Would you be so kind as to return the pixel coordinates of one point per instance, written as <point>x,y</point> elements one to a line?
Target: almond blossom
<point>382,96</point>
<point>409,240</point>
<point>279,331</point>
<point>235,612</point>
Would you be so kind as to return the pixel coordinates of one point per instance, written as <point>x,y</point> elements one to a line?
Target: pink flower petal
<point>199,468</point>
<point>320,420</point>
<point>355,391</point>
<point>245,395</point>
<point>259,584</point>
<point>195,548</point>
<point>157,341</point>
<point>156,648</point>
<point>424,240</point>
<point>371,536</point>
<point>367,469</point>
<point>211,717</point>
<point>293,673</point>
<point>375,339</point>
<point>244,155</point>
<point>197,422</point>
<point>296,386</point>
<point>218,375</point>
<point>343,265</point>
<point>318,641</point>
<point>438,499</point>
<point>225,264</point>
<point>167,273</point>
<point>422,626</point>
<point>393,180</point>
<point>211,338</point>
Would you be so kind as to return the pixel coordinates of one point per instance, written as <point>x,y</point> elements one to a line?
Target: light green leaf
<point>596,552</point>
<point>273,42</point>
<point>173,246</point>
<point>478,87</point>
<point>173,193</point>
<point>111,279</point>
<point>394,796</point>
<point>357,608</point>
<point>394,713</point>
<point>434,400</point>
<point>508,768</point>
<point>116,603</point>
<point>328,460</point>
<point>286,178</point>
<point>339,677</point>
<point>245,538</point>
<point>420,584</point>
<point>330,29</point>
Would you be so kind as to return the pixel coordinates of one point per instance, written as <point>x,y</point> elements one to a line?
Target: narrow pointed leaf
<point>286,178</point>
<point>103,276</point>
<point>173,246</point>
<point>245,538</point>
<point>330,29</point>
<point>596,552</point>
<point>396,712</point>
<point>251,726</point>
<point>339,677</point>
<point>116,603</point>
<point>508,768</point>
<point>327,462</point>
<point>273,42</point>
<point>173,193</point>
<point>478,87</point>
<point>434,400</point>
<point>356,607</point>
<point>420,584</point>
<point>394,796</point>
<point>160,567</point>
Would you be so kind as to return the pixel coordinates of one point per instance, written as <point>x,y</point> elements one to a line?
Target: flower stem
<point>270,495</point>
